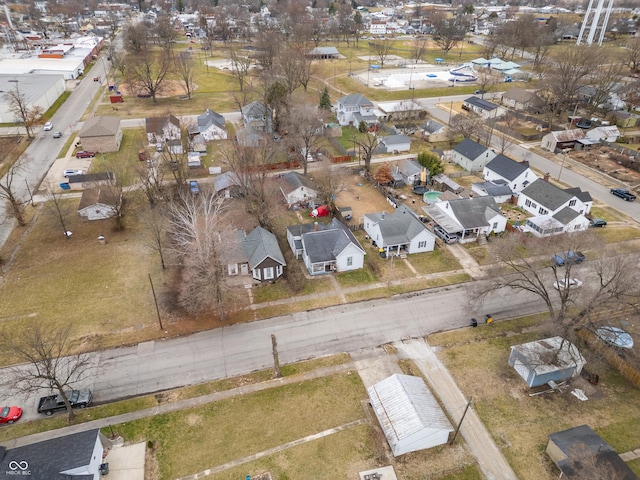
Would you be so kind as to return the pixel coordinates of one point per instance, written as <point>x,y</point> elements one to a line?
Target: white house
<point>258,116</point>
<point>297,188</point>
<point>354,108</point>
<point>211,126</point>
<point>395,143</point>
<point>482,107</point>
<point>409,414</point>
<point>400,232</point>
<point>411,171</point>
<point>517,175</point>
<point>378,27</point>
<point>162,129</point>
<point>609,133</point>
<point>471,156</point>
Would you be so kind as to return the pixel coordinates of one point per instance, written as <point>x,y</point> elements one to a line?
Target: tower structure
<point>594,22</point>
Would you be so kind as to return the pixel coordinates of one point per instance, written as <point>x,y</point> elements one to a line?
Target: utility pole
<point>276,361</point>
<point>156,302</point>
<point>455,434</point>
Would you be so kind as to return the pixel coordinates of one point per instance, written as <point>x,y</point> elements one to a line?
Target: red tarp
<point>321,211</point>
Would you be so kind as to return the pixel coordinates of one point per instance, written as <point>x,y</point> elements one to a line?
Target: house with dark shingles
<point>326,247</point>
<point>471,155</point>
<point>210,125</point>
<point>577,450</point>
<point>400,232</point>
<point>554,210</point>
<point>76,456</point>
<point>101,134</point>
<point>517,175</point>
<point>395,143</point>
<point>355,108</point>
<point>91,180</point>
<point>498,189</point>
<point>226,184</point>
<point>411,171</point>
<point>521,99</point>
<point>482,107</point>
<point>469,218</point>
<point>257,116</point>
<point>257,254</point>
<point>297,188</point>
<point>162,129</point>
<point>98,203</point>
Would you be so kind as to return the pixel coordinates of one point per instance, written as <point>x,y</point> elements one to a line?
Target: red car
<point>10,414</point>
<point>84,154</point>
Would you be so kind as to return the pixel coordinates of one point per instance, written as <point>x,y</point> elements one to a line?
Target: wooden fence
<point>610,355</point>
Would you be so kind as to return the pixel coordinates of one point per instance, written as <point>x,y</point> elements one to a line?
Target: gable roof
<point>354,99</point>
<point>584,197</point>
<point>432,126</point>
<point>93,196</point>
<point>474,212</point>
<point>410,167</point>
<point>507,167</point>
<point>326,245</point>
<point>208,118</point>
<point>494,189</point>
<point>261,244</point>
<point>566,215</point>
<point>225,180</point>
<point>100,127</point>
<point>567,135</point>
<point>255,109</point>
<point>519,95</point>
<point>49,458</point>
<point>470,149</point>
<point>481,103</point>
<point>399,227</point>
<point>395,140</point>
<point>294,180</point>
<point>156,124</point>
<point>546,194</point>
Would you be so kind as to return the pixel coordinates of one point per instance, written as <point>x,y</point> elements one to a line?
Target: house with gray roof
<point>521,99</point>
<point>101,134</point>
<point>324,53</point>
<point>498,189</point>
<point>482,107</point>
<point>257,254</point>
<point>395,143</point>
<point>258,116</point>
<point>354,108</point>
<point>517,175</point>
<point>399,232</point>
<point>411,171</point>
<point>326,247</point>
<point>162,129</point>
<point>77,456</point>
<point>434,131</point>
<point>548,206</point>
<point>226,184</point>
<point>469,218</point>
<point>210,126</point>
<point>472,156</point>
<point>297,188</point>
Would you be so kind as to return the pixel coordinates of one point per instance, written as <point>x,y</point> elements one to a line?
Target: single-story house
<point>326,247</point>
<point>101,134</point>
<point>250,137</point>
<point>324,53</point>
<point>258,116</point>
<point>411,171</point>
<point>98,203</point>
<point>498,189</point>
<point>409,414</point>
<point>516,174</point>
<point>210,125</point>
<point>482,107</point>
<point>578,450</point>
<point>257,254</point>
<point>469,218</point>
<point>399,232</point>
<point>434,131</point>
<point>395,143</point>
<point>541,361</point>
<point>472,156</point>
<point>226,184</point>
<point>162,129</point>
<point>607,133</point>
<point>354,108</point>
<point>521,99</point>
<point>90,180</point>
<point>399,110</point>
<point>561,140</point>
<point>76,455</point>
<point>297,188</point>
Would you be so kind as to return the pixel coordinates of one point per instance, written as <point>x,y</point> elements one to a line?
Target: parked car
<point>85,154</point>
<point>47,126</point>
<point>569,257</point>
<point>626,195</point>
<point>57,134</point>
<point>52,403</point>
<point>72,172</point>
<point>194,188</point>
<point>10,414</point>
<point>445,236</point>
<point>597,222</point>
<point>480,92</point>
<point>615,336</point>
<point>567,283</point>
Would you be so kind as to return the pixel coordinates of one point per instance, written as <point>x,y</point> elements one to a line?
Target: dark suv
<point>568,257</point>
<point>626,195</point>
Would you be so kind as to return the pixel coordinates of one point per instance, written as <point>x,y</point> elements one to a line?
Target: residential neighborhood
<point>320,240</point>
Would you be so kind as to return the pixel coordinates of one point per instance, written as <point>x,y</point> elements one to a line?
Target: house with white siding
<point>399,232</point>
<point>472,156</point>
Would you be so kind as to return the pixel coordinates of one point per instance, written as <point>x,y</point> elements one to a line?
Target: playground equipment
<point>464,73</point>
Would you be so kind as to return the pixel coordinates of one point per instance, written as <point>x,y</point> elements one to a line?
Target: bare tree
<point>46,349</point>
<point>447,31</point>
<point>184,68</point>
<point>288,67</point>
<point>147,71</point>
<point>486,80</point>
<point>418,49</point>
<point>632,52</point>
<point>381,49</point>
<point>164,33</point>
<point>58,206</point>
<point>466,125</point>
<point>525,265</point>
<point>240,65</point>
<point>604,80</point>
<point>197,226</point>
<point>156,222</point>
<point>136,37</point>
<point>367,144</point>
<point>330,182</point>
<point>151,178</point>
<point>10,195</point>
<point>26,115</point>
<point>505,140</point>
<point>304,125</point>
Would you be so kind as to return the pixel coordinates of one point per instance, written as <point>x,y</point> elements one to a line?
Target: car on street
<point>194,188</point>
<point>597,222</point>
<point>72,172</point>
<point>567,283</point>
<point>626,195</point>
<point>85,154</point>
<point>10,414</point>
<point>47,126</point>
<point>480,92</point>
<point>569,257</point>
<point>615,337</point>
<point>57,134</point>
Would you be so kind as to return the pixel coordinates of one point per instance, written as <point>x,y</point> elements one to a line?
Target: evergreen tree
<point>325,99</point>
<point>431,161</point>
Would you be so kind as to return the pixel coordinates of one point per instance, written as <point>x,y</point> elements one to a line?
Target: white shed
<point>409,414</point>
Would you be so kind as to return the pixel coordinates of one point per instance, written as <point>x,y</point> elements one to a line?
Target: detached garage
<point>409,414</point>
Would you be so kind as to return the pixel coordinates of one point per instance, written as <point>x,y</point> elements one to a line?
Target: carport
<point>445,221</point>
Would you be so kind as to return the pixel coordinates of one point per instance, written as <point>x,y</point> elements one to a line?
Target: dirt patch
<point>362,197</point>
<point>171,88</point>
<point>600,158</point>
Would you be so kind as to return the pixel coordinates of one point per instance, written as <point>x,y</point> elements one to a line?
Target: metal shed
<point>409,414</point>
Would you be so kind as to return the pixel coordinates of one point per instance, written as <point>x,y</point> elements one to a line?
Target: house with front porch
<point>326,247</point>
<point>257,254</point>
<point>355,108</point>
<point>400,232</point>
<point>210,126</point>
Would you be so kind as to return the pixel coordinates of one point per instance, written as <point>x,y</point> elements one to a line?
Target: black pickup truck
<point>626,195</point>
<point>52,403</point>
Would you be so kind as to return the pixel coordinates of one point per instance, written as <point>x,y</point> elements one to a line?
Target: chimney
<point>546,177</point>
<point>384,214</point>
<point>525,163</point>
<point>315,226</point>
